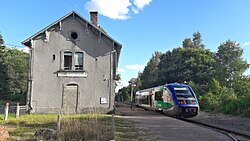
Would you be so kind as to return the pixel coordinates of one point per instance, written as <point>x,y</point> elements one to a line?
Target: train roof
<point>176,84</point>
<point>171,84</point>
<point>144,90</point>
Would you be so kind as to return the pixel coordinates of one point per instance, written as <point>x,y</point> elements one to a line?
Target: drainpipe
<point>110,77</point>
<point>30,79</point>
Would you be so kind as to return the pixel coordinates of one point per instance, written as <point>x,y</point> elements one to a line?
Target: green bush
<point>244,106</point>
<point>220,99</point>
<point>209,102</point>
<point>227,100</point>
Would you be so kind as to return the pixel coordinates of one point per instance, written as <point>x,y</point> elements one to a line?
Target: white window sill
<point>70,73</point>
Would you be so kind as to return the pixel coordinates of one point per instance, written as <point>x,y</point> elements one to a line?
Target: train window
<point>158,95</point>
<point>183,92</point>
<point>145,100</point>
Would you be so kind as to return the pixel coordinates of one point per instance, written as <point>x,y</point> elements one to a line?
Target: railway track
<point>225,131</point>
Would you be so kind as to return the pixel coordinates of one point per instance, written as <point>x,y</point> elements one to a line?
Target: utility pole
<point>132,82</point>
<point>131,96</point>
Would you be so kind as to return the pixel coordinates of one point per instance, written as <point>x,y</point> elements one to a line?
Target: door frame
<point>77,95</point>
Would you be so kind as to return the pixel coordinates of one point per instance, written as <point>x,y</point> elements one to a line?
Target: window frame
<point>67,65</point>
<point>80,65</point>
<point>73,67</point>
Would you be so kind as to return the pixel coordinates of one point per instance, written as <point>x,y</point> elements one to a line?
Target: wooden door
<point>70,94</point>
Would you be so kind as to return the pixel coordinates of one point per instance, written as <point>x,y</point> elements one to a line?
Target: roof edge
<point>28,40</point>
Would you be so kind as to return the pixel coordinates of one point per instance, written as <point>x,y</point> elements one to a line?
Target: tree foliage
<point>196,42</point>
<point>187,43</point>
<point>217,77</point>
<point>13,73</point>
<point>1,40</point>
<point>186,64</point>
<point>149,77</point>
<point>123,94</point>
<point>230,63</point>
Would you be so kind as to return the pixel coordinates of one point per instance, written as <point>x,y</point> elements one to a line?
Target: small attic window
<point>74,35</point>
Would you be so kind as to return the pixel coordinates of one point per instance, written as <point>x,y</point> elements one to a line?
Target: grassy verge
<point>78,127</point>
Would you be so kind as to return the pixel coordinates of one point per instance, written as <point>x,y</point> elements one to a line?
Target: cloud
<point>124,83</point>
<point>24,49</point>
<point>141,3</point>
<point>120,70</point>
<point>246,44</point>
<point>134,67</point>
<point>116,9</point>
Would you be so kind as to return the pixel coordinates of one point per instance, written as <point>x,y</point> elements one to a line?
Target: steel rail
<point>227,132</point>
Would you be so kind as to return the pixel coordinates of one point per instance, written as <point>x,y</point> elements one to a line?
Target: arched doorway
<point>70,98</point>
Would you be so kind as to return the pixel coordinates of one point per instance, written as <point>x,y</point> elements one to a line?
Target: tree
<point>118,77</point>
<point>1,40</point>
<point>123,94</point>
<point>230,63</point>
<point>241,86</point>
<point>150,73</point>
<point>169,67</point>
<point>186,64</point>
<point>13,74</point>
<point>187,43</point>
<point>197,40</point>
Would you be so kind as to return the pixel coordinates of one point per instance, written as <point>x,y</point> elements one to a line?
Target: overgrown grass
<point>24,128</point>
<point>93,127</point>
<point>84,127</point>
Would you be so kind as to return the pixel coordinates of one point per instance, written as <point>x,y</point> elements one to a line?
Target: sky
<point>141,26</point>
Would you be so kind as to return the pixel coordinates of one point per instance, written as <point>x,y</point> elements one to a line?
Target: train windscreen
<point>183,92</point>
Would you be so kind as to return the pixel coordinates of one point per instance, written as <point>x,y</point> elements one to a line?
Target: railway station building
<point>72,68</point>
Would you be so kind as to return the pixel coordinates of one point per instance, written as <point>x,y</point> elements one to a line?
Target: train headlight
<point>181,101</point>
<point>193,102</point>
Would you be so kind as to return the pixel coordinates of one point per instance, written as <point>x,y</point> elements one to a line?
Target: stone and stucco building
<point>73,66</point>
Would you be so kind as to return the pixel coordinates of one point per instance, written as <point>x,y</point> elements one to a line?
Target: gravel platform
<point>229,122</point>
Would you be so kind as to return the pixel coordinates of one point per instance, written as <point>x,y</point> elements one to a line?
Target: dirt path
<point>3,133</point>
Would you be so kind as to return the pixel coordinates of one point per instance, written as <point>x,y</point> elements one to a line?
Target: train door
<point>158,99</point>
<point>167,99</point>
<point>151,98</point>
<point>70,93</point>
<point>137,98</point>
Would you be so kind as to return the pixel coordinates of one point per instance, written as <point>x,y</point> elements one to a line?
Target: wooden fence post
<point>58,122</point>
<point>6,111</point>
<point>17,110</point>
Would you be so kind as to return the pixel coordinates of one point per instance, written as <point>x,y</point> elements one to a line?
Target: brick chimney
<point>94,17</point>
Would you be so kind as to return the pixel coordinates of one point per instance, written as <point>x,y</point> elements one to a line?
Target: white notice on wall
<point>104,100</point>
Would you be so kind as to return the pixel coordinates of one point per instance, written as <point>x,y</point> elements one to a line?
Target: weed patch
<point>85,127</point>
